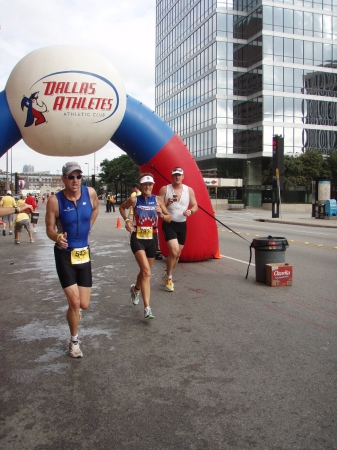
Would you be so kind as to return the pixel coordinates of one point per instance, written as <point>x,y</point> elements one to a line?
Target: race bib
<point>80,255</point>
<point>144,232</point>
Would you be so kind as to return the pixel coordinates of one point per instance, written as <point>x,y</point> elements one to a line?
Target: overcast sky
<point>121,30</point>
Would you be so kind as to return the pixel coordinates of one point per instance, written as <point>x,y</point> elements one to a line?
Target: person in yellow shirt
<point>7,202</point>
<point>22,221</point>
<point>134,193</point>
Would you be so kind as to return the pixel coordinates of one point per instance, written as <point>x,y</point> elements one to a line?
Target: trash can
<point>268,250</point>
<point>330,208</point>
<point>34,217</point>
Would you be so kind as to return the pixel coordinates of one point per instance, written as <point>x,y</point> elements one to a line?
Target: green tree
<point>301,171</point>
<point>332,164</point>
<point>313,166</point>
<point>119,172</point>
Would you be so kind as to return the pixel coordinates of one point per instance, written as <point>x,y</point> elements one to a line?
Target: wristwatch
<point>162,216</point>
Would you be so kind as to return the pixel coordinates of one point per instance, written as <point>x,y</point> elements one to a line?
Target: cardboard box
<point>279,274</point>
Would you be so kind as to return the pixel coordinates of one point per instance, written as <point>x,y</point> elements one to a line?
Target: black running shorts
<point>70,274</point>
<point>150,246</point>
<point>175,230</point>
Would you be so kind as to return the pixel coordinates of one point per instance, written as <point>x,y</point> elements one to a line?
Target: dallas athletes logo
<point>98,99</point>
<point>35,109</point>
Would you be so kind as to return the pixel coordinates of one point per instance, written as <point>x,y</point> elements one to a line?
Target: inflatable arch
<point>155,148</point>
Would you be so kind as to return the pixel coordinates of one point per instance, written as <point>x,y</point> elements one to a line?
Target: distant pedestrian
<point>112,202</point>
<point>22,221</point>
<point>30,200</point>
<point>108,204</point>
<point>7,201</point>
<point>134,193</point>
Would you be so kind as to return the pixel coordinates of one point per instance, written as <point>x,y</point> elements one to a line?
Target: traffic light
<point>278,158</point>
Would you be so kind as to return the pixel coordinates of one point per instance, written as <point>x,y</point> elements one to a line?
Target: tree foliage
<point>332,163</point>
<point>119,171</point>
<point>302,170</point>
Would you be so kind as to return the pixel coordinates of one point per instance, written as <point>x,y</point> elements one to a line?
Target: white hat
<point>9,192</point>
<point>146,179</point>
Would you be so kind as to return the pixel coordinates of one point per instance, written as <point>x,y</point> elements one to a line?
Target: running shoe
<point>17,242</point>
<point>134,295</point>
<point>11,232</point>
<point>74,349</point>
<point>169,285</point>
<point>148,313</point>
<point>31,241</point>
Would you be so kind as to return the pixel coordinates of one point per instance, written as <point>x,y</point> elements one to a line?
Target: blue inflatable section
<point>9,131</point>
<point>142,133</point>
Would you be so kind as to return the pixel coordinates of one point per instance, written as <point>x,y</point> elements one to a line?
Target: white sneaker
<point>134,295</point>
<point>74,349</point>
<point>35,230</point>
<point>148,313</point>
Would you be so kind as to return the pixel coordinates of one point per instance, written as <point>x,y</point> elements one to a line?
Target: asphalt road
<point>227,363</point>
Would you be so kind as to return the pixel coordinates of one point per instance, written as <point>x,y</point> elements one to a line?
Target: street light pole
<point>88,172</point>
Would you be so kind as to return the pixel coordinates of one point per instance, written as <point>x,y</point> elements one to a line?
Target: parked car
<point>119,200</point>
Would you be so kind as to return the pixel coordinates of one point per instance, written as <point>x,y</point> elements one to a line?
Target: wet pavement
<point>215,369</point>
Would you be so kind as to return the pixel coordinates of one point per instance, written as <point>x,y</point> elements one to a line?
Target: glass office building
<point>230,74</point>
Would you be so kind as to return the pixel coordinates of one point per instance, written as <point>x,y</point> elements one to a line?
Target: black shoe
<point>4,232</point>
<point>158,255</point>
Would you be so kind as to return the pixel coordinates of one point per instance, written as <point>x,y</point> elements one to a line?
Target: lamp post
<point>88,172</point>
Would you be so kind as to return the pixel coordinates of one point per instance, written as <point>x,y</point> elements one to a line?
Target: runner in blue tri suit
<point>144,240</point>
<point>70,216</point>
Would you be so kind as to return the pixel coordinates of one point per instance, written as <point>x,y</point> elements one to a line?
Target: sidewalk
<point>294,218</point>
<point>291,218</point>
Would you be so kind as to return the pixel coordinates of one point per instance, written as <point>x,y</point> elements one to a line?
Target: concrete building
<point>231,74</point>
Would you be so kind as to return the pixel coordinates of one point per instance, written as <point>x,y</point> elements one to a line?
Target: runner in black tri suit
<point>144,239</point>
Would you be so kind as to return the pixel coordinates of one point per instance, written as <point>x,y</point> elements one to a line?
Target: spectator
<point>30,200</point>
<point>7,202</point>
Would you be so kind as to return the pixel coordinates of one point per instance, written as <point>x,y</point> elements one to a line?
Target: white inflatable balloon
<point>66,100</point>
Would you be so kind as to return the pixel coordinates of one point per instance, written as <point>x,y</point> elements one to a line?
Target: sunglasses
<point>71,177</point>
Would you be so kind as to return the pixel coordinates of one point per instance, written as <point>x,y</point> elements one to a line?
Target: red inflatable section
<point>202,234</point>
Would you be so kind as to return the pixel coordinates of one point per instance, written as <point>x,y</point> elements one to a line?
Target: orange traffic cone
<point>217,254</point>
<point>118,224</point>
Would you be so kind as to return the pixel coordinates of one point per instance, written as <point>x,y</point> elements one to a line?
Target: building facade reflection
<point>231,74</point>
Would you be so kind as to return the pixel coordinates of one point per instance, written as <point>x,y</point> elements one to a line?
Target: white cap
<point>178,170</point>
<point>146,179</point>
<point>9,192</point>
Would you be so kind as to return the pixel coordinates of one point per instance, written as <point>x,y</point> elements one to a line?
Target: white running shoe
<point>148,313</point>
<point>74,349</point>
<point>134,295</point>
